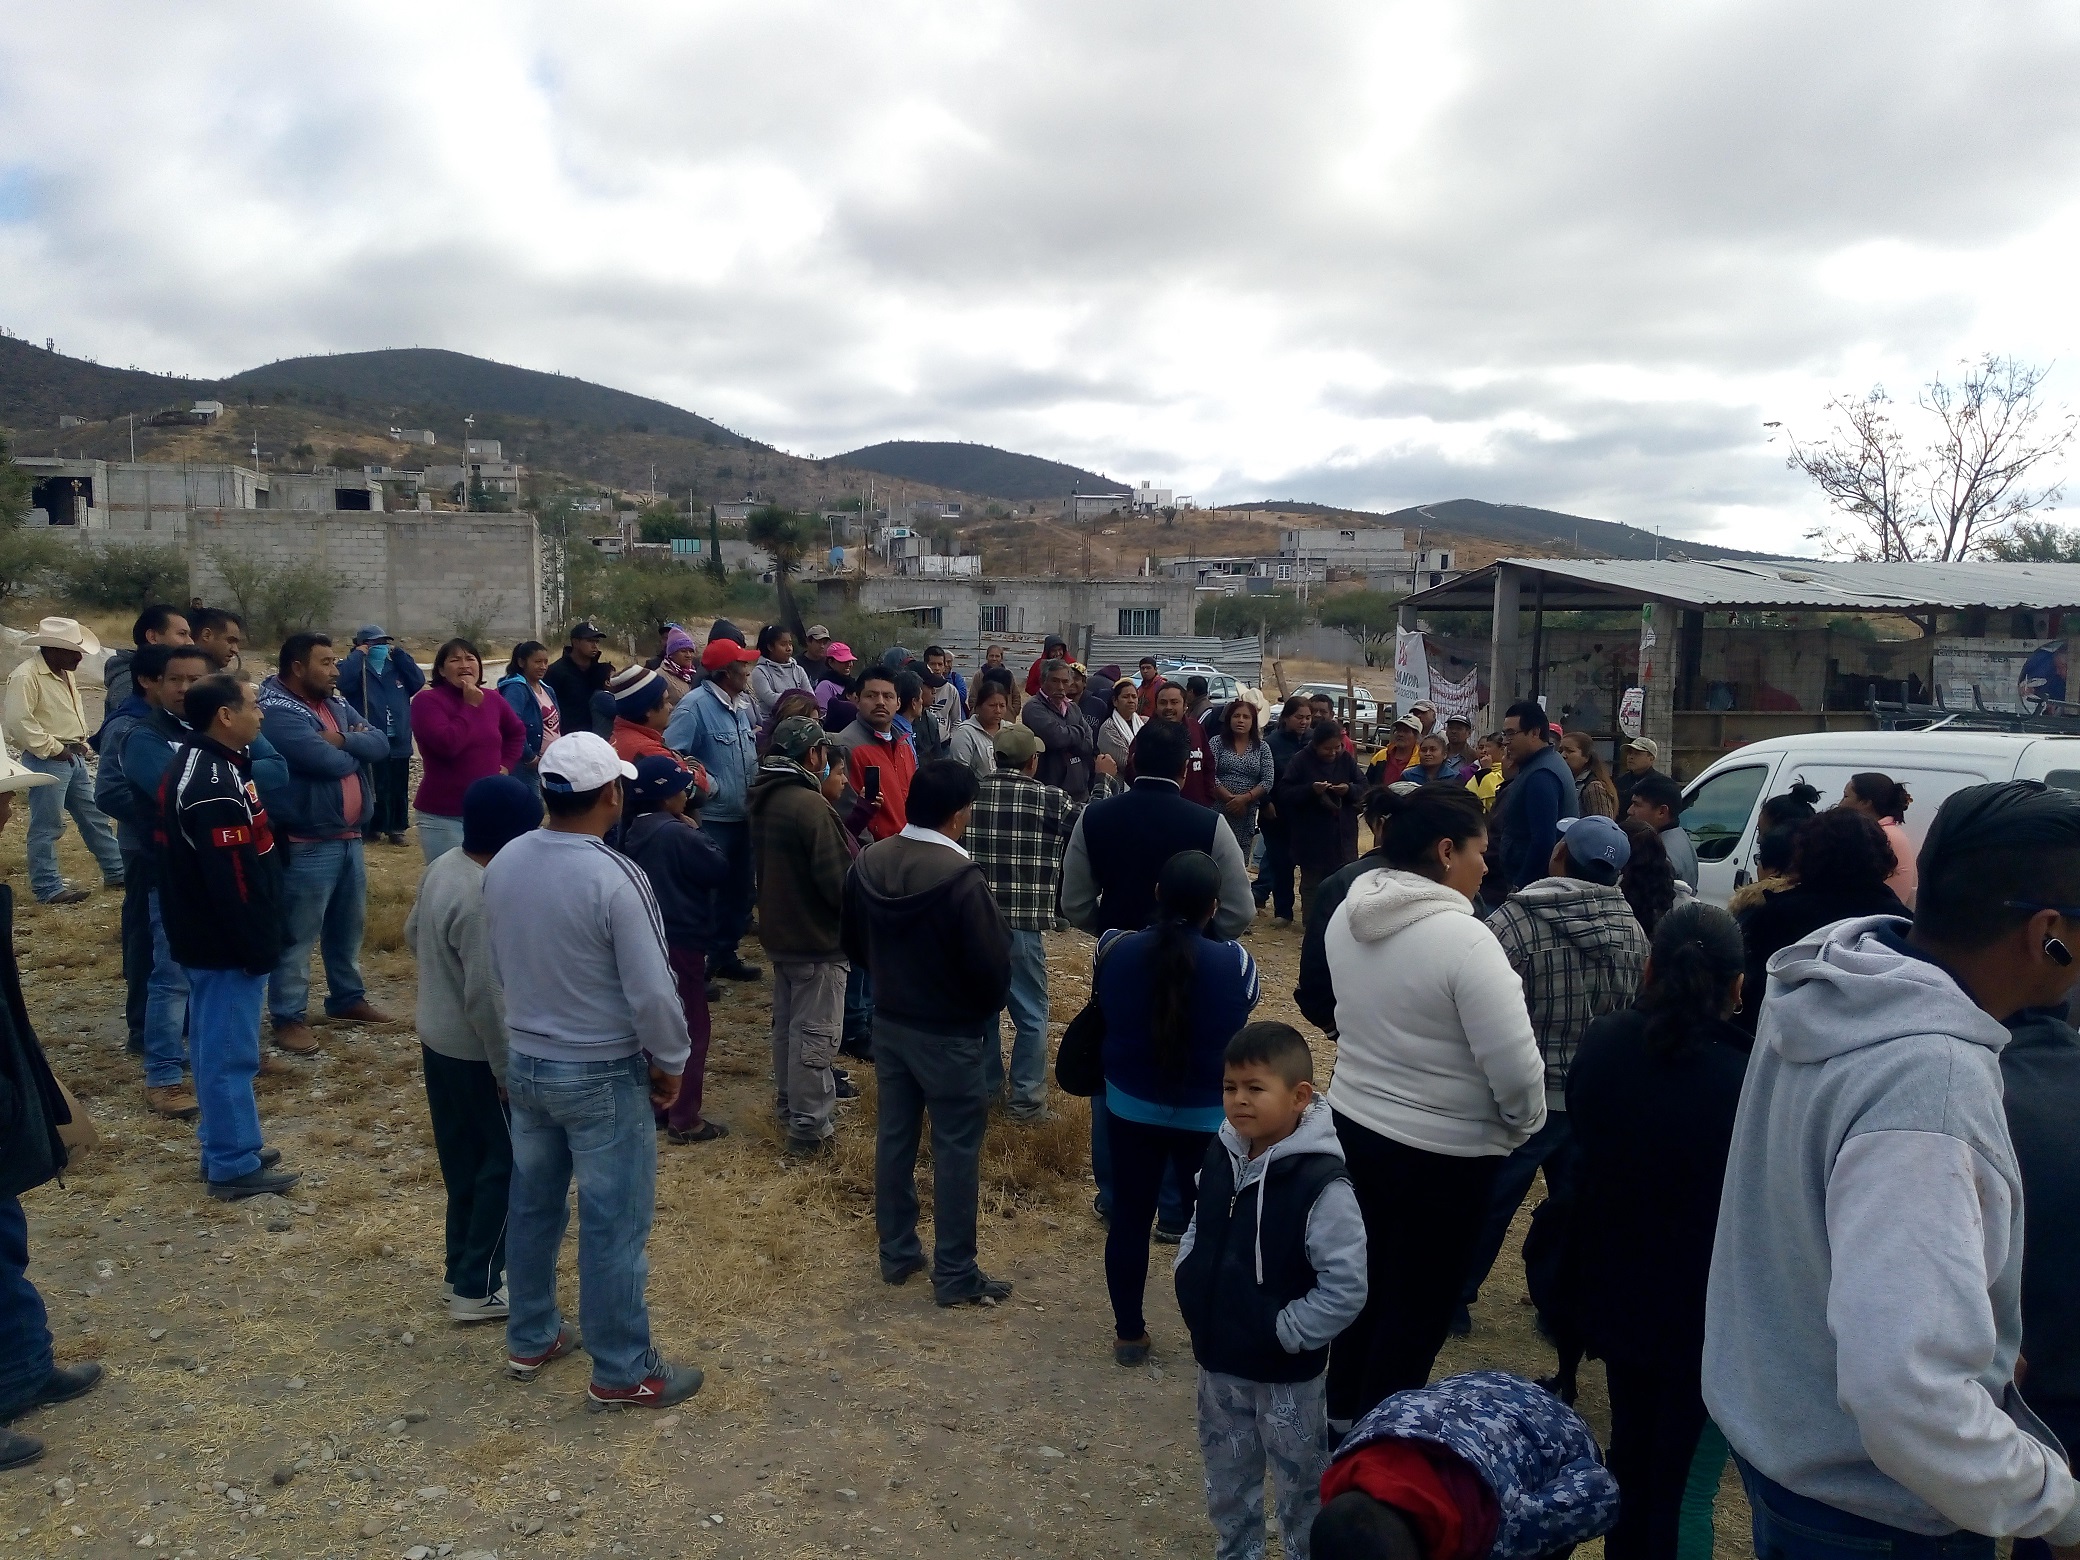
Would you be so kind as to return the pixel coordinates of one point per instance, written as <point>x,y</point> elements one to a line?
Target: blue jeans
<point>224,1040</point>
<point>859,1007</point>
<point>137,943</point>
<point>48,805</point>
<point>733,895</point>
<point>1275,876</point>
<point>165,1008</point>
<point>1173,1208</point>
<point>1028,1008</point>
<point>325,901</point>
<point>25,1334</point>
<point>438,836</point>
<point>591,1120</point>
<point>1795,1527</point>
<point>1551,1148</point>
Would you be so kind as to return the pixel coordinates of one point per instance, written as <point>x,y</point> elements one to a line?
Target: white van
<point>1725,801</point>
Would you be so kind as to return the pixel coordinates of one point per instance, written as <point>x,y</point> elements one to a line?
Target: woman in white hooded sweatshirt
<point>1437,1078</point>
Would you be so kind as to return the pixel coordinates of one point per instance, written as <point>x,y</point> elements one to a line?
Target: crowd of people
<point>1809,1183</point>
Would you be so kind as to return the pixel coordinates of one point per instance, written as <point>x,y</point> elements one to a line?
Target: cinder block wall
<point>420,575</point>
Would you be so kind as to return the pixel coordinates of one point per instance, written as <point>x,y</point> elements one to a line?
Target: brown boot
<point>175,1101</point>
<point>363,1012</point>
<point>296,1039</point>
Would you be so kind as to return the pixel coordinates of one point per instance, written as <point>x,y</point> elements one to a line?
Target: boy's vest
<point>1233,1319</point>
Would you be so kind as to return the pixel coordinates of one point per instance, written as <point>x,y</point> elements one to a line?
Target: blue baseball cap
<point>1595,838</point>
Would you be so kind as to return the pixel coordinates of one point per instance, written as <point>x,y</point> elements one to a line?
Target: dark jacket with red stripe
<point>219,871</point>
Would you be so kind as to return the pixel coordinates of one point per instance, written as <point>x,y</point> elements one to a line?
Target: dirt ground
<point>283,1380</point>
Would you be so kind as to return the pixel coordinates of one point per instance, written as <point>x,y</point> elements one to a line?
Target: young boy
<point>1270,1270</point>
<point>1484,1466</point>
<point>684,867</point>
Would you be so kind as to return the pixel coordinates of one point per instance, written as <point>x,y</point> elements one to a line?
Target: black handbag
<point>1079,1064</point>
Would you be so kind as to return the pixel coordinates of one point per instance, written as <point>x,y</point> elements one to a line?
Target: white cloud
<point>1373,253</point>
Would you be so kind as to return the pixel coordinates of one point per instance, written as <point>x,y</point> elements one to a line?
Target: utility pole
<point>132,416</point>
<point>469,431</point>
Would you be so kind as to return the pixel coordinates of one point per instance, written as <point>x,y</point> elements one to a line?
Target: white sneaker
<point>447,1293</point>
<point>492,1308</point>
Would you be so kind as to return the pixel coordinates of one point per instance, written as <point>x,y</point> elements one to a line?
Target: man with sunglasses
<point>1864,1322</point>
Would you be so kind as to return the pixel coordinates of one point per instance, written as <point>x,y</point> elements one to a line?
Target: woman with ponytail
<point>1652,1096</point>
<point>1172,999</point>
<point>1885,799</point>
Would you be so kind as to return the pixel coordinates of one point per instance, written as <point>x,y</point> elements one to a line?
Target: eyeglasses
<point>2070,912</point>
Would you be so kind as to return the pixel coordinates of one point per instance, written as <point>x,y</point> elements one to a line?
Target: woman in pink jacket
<point>463,735</point>
<point>1885,799</point>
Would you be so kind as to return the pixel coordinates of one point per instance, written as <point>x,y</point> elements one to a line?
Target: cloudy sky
<point>1371,253</point>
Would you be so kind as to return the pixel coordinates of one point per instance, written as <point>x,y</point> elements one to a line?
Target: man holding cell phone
<point>879,760</point>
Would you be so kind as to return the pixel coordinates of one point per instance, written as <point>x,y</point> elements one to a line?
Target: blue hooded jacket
<point>1537,1457</point>
<point>311,801</point>
<point>384,698</point>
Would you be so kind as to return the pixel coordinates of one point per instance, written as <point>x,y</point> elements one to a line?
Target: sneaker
<point>62,1385</point>
<point>663,1387</point>
<point>296,1038</point>
<point>525,1367</point>
<point>989,1293</point>
<point>1034,1118</point>
<point>1131,1351</point>
<point>393,839</point>
<point>269,1158</point>
<point>808,1147</point>
<point>258,1184</point>
<point>1168,1235</point>
<point>174,1101</point>
<point>737,969</point>
<point>490,1308</point>
<point>447,1293</point>
<point>706,1132</point>
<point>847,1089</point>
<point>18,1450</point>
<point>69,896</point>
<point>1282,923</point>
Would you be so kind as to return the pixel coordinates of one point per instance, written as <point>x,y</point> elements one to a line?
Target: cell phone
<point>870,783</point>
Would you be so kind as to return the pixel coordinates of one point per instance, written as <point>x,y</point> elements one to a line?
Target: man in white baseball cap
<point>590,1005</point>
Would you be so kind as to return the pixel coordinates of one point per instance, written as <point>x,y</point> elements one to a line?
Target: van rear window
<point>2063,779</point>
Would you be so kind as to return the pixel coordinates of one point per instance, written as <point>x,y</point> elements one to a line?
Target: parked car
<point>1368,712</point>
<point>1724,801</point>
<point>1220,687</point>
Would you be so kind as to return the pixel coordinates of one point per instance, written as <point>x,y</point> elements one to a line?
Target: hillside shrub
<point>122,577</point>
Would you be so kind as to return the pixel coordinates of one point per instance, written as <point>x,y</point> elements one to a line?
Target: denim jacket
<point>312,800</point>
<point>725,742</point>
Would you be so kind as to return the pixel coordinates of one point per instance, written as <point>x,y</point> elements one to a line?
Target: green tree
<point>15,487</point>
<point>660,522</point>
<point>715,567</point>
<point>116,578</point>
<point>28,553</point>
<point>2037,541</point>
<point>787,538</point>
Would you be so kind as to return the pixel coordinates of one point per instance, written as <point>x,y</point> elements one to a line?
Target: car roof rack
<point>2045,717</point>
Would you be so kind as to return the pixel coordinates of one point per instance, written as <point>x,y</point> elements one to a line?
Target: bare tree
<point>1980,472</point>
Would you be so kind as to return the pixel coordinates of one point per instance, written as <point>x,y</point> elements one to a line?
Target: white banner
<point>1411,669</point>
<point>1457,698</point>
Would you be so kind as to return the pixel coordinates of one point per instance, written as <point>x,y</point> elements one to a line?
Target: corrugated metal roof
<point>1798,583</point>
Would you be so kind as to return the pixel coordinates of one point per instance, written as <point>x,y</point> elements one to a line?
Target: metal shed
<point>1675,598</point>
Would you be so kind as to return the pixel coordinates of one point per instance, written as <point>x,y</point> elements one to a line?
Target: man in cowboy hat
<point>47,724</point>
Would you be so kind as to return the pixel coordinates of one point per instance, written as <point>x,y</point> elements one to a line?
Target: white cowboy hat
<point>15,776</point>
<point>59,633</point>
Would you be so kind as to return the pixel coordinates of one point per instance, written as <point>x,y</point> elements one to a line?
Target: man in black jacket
<point>219,876</point>
<point>2041,1069</point>
<point>1069,745</point>
<point>576,676</point>
<point>919,914</point>
<point>30,1154</point>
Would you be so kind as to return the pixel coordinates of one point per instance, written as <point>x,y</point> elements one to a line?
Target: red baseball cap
<point>725,652</point>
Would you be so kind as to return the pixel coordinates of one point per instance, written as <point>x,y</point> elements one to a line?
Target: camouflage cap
<point>797,736</point>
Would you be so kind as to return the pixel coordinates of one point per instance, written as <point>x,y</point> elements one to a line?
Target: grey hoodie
<point>1335,1234</point>
<point>1864,1312</point>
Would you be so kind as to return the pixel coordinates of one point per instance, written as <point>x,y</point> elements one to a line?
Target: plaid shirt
<point>1018,834</point>
<point>1580,953</point>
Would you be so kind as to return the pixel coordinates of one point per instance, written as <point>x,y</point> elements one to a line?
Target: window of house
<point>927,617</point>
<point>1141,620</point>
<point>995,620</point>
